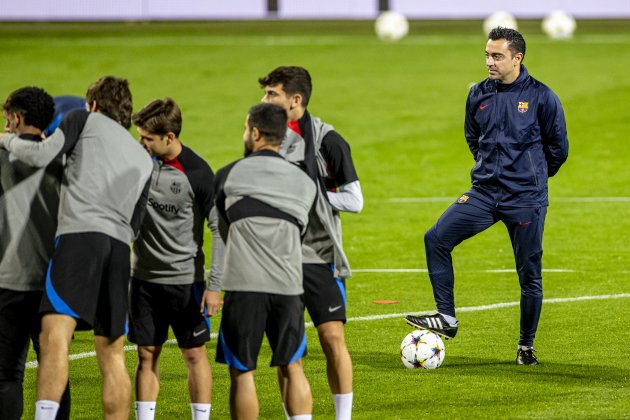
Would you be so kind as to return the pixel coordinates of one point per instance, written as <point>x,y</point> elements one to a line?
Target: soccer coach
<point>516,132</point>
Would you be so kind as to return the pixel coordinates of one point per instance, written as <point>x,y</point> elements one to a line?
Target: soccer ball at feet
<point>391,26</point>
<point>422,349</point>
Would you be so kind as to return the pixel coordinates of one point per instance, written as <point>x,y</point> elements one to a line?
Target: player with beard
<point>263,203</point>
<point>326,158</point>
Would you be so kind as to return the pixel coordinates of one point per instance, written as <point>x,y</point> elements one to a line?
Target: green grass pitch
<point>401,108</point>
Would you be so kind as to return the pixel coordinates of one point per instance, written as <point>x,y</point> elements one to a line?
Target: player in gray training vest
<point>103,194</point>
<point>326,158</point>
<point>168,277</point>
<point>29,199</point>
<point>263,202</point>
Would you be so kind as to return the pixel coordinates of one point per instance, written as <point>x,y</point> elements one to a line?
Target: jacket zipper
<point>531,163</point>
<point>159,171</point>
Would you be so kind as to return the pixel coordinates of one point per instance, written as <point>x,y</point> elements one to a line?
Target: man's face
<point>155,144</point>
<point>276,95</point>
<point>11,122</point>
<point>248,140</point>
<point>502,65</point>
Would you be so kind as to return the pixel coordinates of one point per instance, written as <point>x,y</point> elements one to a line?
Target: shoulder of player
<point>192,163</point>
<point>333,143</point>
<point>225,171</point>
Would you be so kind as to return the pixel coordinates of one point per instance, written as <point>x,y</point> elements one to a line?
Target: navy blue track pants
<point>465,219</point>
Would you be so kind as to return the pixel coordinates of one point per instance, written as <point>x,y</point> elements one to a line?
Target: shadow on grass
<point>500,370</point>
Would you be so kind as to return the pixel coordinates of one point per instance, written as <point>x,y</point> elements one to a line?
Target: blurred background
<point>64,10</point>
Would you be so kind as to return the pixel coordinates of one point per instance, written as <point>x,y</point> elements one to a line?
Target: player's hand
<point>210,303</point>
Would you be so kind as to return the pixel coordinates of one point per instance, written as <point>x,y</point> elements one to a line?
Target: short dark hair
<point>516,42</point>
<point>34,104</point>
<point>270,120</point>
<point>113,97</point>
<point>160,116</point>
<point>294,80</point>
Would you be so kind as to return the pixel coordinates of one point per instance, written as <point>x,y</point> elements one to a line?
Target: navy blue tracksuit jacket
<point>517,135</point>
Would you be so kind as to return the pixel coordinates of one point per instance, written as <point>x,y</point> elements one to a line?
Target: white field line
<point>490,307</point>
<point>620,199</point>
<point>33,364</point>
<point>424,270</point>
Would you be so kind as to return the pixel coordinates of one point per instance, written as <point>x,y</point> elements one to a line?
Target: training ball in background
<point>559,25</point>
<point>422,349</point>
<point>391,26</point>
<point>500,18</point>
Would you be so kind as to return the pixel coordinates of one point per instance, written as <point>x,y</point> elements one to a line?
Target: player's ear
<point>518,57</point>
<point>17,120</point>
<point>297,100</point>
<point>92,106</point>
<point>255,134</point>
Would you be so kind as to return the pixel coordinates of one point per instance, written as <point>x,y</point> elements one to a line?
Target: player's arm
<point>553,130</point>
<point>211,301</point>
<point>204,196</point>
<point>348,197</point>
<point>219,226</point>
<point>41,153</point>
<point>472,131</point>
<point>140,210</point>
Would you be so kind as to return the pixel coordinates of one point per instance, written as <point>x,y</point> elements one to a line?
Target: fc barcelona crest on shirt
<point>522,107</point>
<point>463,199</point>
<point>176,187</point>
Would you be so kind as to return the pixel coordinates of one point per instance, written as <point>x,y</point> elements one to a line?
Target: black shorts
<point>19,322</point>
<point>88,279</point>
<point>154,307</point>
<point>324,295</point>
<point>247,316</point>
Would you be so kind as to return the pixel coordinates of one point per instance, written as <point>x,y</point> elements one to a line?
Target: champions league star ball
<point>422,349</point>
<point>559,25</point>
<point>501,18</point>
<point>391,26</point>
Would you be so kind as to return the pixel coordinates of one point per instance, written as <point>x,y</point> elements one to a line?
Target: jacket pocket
<point>531,164</point>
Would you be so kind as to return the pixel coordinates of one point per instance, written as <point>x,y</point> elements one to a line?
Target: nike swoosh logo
<point>331,309</point>
<point>201,411</point>
<point>521,224</point>
<point>198,333</point>
<point>482,107</point>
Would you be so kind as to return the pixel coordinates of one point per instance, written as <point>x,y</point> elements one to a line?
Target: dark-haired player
<point>106,174</point>
<point>263,203</point>
<point>29,200</point>
<point>326,157</point>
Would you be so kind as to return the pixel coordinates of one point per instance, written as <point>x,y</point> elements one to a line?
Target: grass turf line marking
<point>424,270</point>
<point>620,199</point>
<point>33,364</point>
<point>490,307</point>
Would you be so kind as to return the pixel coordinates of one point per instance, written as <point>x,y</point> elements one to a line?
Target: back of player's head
<point>160,116</point>
<point>516,42</point>
<point>270,120</point>
<point>33,104</point>
<point>293,79</point>
<point>113,98</point>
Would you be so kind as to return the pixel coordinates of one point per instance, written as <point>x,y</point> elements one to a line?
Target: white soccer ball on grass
<point>391,26</point>
<point>500,18</point>
<point>422,349</point>
<point>559,25</point>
